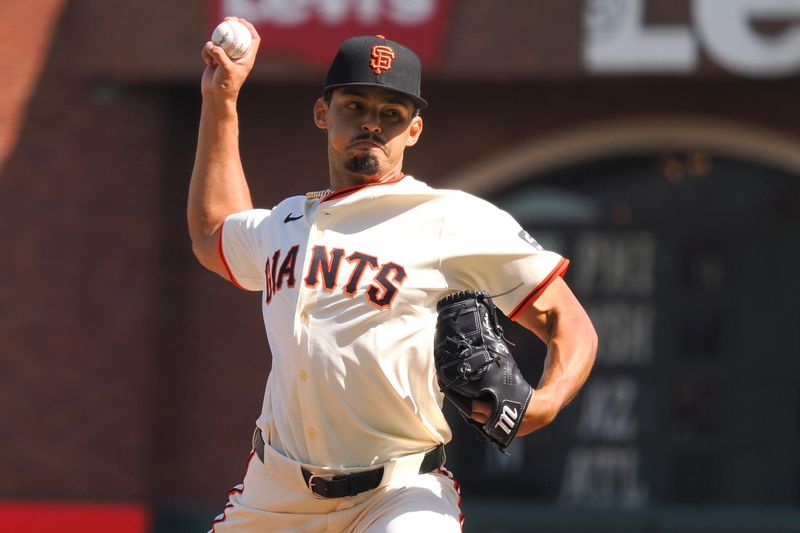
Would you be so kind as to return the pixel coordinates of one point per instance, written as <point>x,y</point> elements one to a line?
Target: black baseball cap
<point>377,62</point>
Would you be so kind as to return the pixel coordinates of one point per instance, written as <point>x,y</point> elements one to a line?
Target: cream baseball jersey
<point>349,288</point>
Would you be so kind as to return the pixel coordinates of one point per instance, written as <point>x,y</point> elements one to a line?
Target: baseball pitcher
<point>380,297</point>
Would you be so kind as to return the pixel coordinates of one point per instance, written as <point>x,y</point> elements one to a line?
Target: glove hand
<point>481,411</point>
<point>473,410</point>
<point>475,368</point>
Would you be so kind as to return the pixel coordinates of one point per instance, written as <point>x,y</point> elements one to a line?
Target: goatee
<point>365,164</point>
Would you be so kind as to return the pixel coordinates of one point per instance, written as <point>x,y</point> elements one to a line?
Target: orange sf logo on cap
<point>382,56</point>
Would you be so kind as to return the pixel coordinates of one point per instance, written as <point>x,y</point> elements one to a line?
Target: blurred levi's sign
<point>312,30</point>
<point>751,38</point>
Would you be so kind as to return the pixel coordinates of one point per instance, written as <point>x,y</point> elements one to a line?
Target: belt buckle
<point>326,477</point>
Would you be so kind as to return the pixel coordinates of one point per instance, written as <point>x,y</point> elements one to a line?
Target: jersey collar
<point>347,191</point>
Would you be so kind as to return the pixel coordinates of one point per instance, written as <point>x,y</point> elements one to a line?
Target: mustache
<point>370,137</point>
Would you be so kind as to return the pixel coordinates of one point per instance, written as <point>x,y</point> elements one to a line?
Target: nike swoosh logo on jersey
<point>290,218</point>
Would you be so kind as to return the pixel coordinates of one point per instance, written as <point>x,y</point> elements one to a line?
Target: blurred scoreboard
<point>688,265</point>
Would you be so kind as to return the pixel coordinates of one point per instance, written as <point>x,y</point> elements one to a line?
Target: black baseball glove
<point>473,362</point>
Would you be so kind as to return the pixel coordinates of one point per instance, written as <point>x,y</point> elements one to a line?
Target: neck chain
<point>318,194</point>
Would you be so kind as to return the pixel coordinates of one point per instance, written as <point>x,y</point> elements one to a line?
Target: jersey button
<point>312,433</point>
<point>303,375</point>
<point>304,317</point>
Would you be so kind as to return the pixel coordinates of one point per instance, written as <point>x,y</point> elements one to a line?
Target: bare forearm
<point>571,346</point>
<point>570,356</point>
<point>218,186</point>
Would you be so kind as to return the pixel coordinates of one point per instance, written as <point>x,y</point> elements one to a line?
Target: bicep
<point>557,304</point>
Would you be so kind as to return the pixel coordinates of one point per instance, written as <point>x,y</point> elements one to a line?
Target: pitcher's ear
<point>415,131</point>
<point>321,113</point>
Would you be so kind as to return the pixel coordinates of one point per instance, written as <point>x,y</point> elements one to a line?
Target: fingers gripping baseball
<point>224,76</point>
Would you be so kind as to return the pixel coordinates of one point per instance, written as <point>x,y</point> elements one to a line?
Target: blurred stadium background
<point>656,143</point>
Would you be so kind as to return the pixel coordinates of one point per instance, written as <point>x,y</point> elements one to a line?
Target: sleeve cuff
<point>559,271</point>
<point>224,262</point>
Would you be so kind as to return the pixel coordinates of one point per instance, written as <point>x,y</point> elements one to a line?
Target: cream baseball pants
<point>274,497</point>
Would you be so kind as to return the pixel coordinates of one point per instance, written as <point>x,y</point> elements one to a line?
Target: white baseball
<point>233,37</point>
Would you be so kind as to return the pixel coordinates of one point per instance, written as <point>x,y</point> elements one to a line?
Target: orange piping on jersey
<point>559,270</point>
<point>347,191</point>
<point>225,263</point>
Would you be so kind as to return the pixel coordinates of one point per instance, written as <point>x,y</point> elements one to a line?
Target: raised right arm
<point>218,186</point>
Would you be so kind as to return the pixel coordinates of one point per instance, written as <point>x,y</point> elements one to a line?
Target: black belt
<point>342,486</point>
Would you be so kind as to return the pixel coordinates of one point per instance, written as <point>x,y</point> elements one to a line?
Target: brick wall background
<point>127,372</point>
<point>28,27</point>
